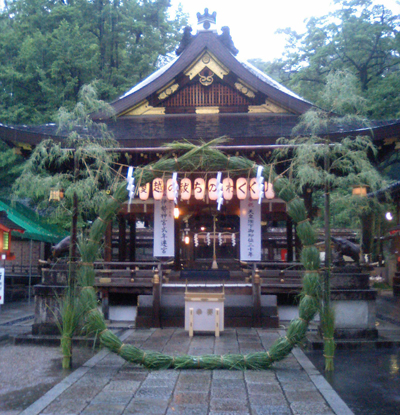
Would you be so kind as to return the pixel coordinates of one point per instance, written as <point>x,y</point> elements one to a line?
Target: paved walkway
<point>16,318</point>
<point>107,385</point>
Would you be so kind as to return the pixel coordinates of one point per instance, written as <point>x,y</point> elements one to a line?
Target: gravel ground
<point>27,372</point>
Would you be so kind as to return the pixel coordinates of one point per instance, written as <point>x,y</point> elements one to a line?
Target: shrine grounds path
<point>107,385</point>
<point>32,382</point>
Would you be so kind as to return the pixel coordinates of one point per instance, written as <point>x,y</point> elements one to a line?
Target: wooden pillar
<point>367,222</point>
<point>177,259</point>
<point>132,238</point>
<point>398,211</point>
<point>307,196</point>
<point>271,248</point>
<point>256,298</point>
<point>105,304</point>
<point>289,239</point>
<point>297,245</point>
<point>157,299</point>
<point>121,238</point>
<point>73,249</point>
<point>108,243</point>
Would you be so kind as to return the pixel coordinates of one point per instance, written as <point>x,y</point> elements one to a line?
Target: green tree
<point>49,49</point>
<point>11,162</point>
<point>360,37</point>
<point>79,164</point>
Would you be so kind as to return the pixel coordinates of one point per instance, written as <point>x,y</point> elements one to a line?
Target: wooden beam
<point>108,243</point>
<point>121,238</point>
<point>132,238</point>
<point>289,239</point>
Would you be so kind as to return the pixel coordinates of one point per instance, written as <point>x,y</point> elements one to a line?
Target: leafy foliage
<point>80,164</point>
<point>10,167</point>
<point>359,38</point>
<point>349,165</point>
<point>49,49</point>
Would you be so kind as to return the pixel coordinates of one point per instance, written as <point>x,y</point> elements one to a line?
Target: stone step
<point>238,311</point>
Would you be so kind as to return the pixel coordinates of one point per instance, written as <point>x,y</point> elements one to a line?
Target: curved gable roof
<point>245,71</point>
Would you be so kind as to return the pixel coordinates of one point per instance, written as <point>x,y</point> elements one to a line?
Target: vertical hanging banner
<point>250,230</point>
<point>164,240</point>
<point>2,273</point>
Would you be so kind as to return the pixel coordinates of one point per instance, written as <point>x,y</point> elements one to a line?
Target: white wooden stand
<point>204,312</point>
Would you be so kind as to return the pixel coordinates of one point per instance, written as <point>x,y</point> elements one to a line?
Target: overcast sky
<point>253,23</point>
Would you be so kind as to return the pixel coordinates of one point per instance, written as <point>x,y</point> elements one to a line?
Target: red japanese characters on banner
<point>228,188</point>
<point>199,188</point>
<point>186,189</point>
<point>158,188</point>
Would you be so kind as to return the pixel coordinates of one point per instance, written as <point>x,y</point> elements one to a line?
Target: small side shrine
<point>6,227</point>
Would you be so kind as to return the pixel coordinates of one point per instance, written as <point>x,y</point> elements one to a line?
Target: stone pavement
<point>106,384</point>
<point>16,318</point>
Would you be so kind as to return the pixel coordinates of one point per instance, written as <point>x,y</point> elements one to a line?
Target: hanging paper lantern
<point>269,191</point>
<point>199,188</point>
<point>228,188</point>
<point>241,188</point>
<point>144,191</point>
<point>158,189</point>
<point>212,189</point>
<point>170,190</point>
<point>186,189</point>
<point>254,189</point>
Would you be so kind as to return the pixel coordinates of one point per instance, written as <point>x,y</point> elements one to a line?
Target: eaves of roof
<point>382,195</point>
<point>208,40</point>
<point>35,229</point>
<point>8,225</point>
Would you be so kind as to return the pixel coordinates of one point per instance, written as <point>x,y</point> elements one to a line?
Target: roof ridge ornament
<point>226,39</point>
<point>187,38</point>
<point>206,21</point>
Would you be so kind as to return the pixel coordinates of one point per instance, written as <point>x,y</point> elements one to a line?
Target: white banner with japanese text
<point>164,239</point>
<point>250,230</point>
<point>2,273</point>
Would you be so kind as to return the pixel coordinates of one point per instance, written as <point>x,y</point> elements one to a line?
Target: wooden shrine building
<point>206,92</point>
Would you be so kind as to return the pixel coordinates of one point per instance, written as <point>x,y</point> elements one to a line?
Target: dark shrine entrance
<point>207,234</point>
<point>201,231</point>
